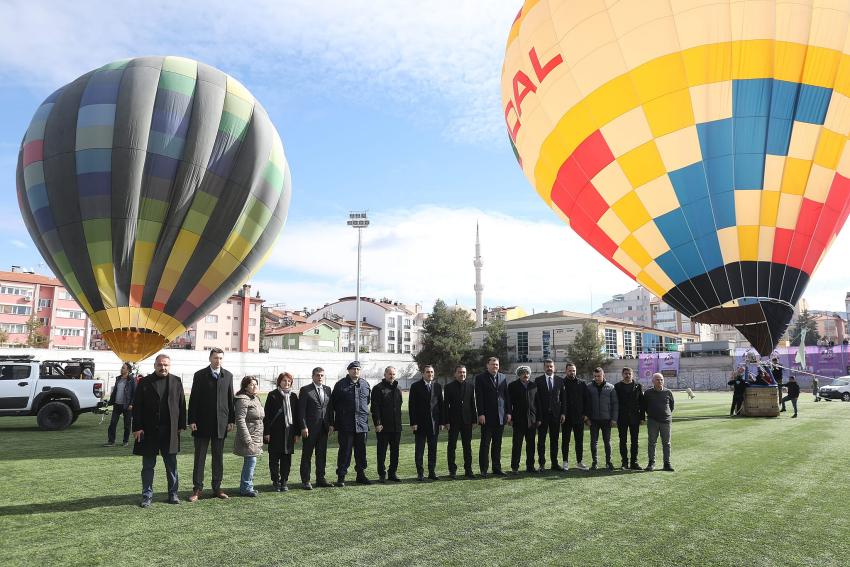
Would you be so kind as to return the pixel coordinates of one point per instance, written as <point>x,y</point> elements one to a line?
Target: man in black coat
<point>425,405</point>
<point>491,401</point>
<point>522,394</point>
<point>630,416</point>
<point>461,417</point>
<point>576,401</point>
<point>316,414</point>
<point>793,394</point>
<point>739,389</point>
<point>211,417</point>
<point>350,400</point>
<point>386,415</point>
<point>159,415</point>
<point>550,389</point>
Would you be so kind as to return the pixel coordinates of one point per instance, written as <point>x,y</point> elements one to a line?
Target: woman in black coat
<point>281,431</point>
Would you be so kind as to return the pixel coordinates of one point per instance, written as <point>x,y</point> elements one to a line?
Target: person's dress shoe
<point>636,467</point>
<point>173,499</point>
<point>363,480</point>
<point>382,478</point>
<point>283,487</point>
<point>433,476</point>
<point>668,467</point>
<point>196,493</point>
<point>145,503</point>
<point>650,467</point>
<point>324,484</point>
<point>555,468</point>
<point>609,465</point>
<point>795,415</point>
<point>340,482</point>
<point>220,494</point>
<point>469,474</point>
<point>420,477</point>
<point>306,486</point>
<point>394,478</point>
<point>452,476</point>
<point>124,444</point>
<point>484,474</point>
<point>499,473</point>
<point>593,466</point>
<point>625,466</point>
<point>251,494</point>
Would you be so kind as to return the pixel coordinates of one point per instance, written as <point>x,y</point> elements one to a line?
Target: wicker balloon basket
<point>761,401</point>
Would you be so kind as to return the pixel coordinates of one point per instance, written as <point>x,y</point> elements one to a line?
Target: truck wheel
<point>74,419</point>
<point>845,397</point>
<point>54,416</point>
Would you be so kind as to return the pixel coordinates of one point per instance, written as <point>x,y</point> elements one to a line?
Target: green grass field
<point>747,491</point>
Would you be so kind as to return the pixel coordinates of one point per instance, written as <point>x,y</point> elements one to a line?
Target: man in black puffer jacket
<point>576,402</point>
<point>629,399</point>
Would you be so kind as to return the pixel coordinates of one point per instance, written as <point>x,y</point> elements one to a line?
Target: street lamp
<point>359,221</point>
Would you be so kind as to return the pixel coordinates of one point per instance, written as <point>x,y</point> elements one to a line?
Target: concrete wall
<point>266,366</point>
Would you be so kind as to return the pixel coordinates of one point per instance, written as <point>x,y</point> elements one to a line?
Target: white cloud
<point>427,253</point>
<point>444,51</point>
<point>18,243</point>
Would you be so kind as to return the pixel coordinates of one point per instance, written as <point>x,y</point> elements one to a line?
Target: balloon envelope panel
<point>153,187</point>
<point>699,146</point>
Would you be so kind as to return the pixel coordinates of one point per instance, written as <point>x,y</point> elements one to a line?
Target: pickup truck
<point>56,392</point>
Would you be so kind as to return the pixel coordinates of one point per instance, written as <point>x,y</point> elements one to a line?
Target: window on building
<point>390,335</point>
<point>627,343</point>
<point>212,319</point>
<point>45,321</point>
<point>253,307</point>
<point>407,348</point>
<point>252,337</point>
<point>210,334</point>
<point>522,346</point>
<point>407,323</point>
<point>611,342</point>
<point>16,309</point>
<point>13,290</point>
<point>391,323</point>
<point>252,322</point>
<point>14,328</point>
<point>63,294</point>
<point>235,333</point>
<point>391,348</point>
<point>69,314</point>
<point>407,336</point>
<point>44,303</point>
<point>64,332</point>
<point>547,344</point>
<point>638,343</point>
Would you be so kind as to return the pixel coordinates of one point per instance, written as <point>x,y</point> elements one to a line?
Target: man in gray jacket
<point>601,415</point>
<point>658,405</point>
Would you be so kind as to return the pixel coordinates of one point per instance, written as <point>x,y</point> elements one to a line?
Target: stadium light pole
<point>359,221</point>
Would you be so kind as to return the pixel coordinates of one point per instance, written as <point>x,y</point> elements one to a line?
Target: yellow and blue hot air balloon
<point>153,187</point>
<point>699,145</point>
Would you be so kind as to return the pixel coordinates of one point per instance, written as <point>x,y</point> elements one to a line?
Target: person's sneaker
<point>609,465</point>
<point>221,495</point>
<point>283,487</point>
<point>251,494</point>
<point>565,466</point>
<point>650,467</point>
<point>196,493</point>
<point>394,478</point>
<point>340,482</point>
<point>581,466</point>
<point>636,467</point>
<point>593,466</point>
<point>109,444</point>
<point>625,466</point>
<point>124,444</point>
<point>668,467</point>
<point>484,474</point>
<point>173,499</point>
<point>514,471</point>
<point>145,503</point>
<point>306,486</point>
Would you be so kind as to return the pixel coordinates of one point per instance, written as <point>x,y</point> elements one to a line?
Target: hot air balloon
<point>153,187</point>
<point>699,145</point>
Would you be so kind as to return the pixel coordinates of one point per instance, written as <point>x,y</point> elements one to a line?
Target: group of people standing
<point>550,409</point>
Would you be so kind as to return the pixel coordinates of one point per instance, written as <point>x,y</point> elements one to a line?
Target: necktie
<point>215,374</point>
<point>550,383</point>
<point>321,392</point>
<point>429,387</point>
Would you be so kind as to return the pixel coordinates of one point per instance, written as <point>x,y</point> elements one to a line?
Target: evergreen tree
<point>446,339</point>
<point>805,321</point>
<point>586,351</point>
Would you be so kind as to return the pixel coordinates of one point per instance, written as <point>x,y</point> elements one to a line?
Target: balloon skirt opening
<point>132,345</point>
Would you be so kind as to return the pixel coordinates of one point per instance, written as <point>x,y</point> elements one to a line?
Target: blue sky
<point>391,107</point>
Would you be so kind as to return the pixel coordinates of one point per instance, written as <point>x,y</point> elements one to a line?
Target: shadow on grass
<point>73,505</point>
<point>699,417</point>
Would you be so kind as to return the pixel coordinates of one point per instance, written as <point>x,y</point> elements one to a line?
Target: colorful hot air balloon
<point>699,145</point>
<point>153,187</point>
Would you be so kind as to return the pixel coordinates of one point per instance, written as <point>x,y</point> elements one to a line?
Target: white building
<point>399,329</point>
<point>643,308</point>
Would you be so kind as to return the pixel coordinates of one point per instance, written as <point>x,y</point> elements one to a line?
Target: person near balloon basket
<point>793,394</point>
<point>281,431</point>
<point>121,400</point>
<point>249,432</point>
<point>739,385</point>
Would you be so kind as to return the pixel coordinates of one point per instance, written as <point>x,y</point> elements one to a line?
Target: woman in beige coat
<point>249,432</point>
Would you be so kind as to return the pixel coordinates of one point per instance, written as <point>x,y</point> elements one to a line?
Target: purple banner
<point>667,363</point>
<point>821,360</point>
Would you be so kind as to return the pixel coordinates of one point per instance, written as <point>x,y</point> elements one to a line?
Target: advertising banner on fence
<point>829,361</point>
<point>667,363</point>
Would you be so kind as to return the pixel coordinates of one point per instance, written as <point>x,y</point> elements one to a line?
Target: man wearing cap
<point>350,400</point>
<point>522,394</point>
<point>491,400</point>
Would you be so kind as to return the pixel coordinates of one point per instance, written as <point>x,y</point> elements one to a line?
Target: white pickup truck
<point>55,391</point>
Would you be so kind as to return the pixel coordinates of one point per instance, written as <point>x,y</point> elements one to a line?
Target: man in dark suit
<point>550,389</point>
<point>522,394</point>
<point>211,417</point>
<point>426,419</point>
<point>316,415</point>
<point>576,404</point>
<point>386,415</point>
<point>629,417</point>
<point>461,417</point>
<point>159,415</point>
<point>350,400</point>
<point>491,401</point>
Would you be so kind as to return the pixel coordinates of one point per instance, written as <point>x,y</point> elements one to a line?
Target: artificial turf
<point>746,491</point>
